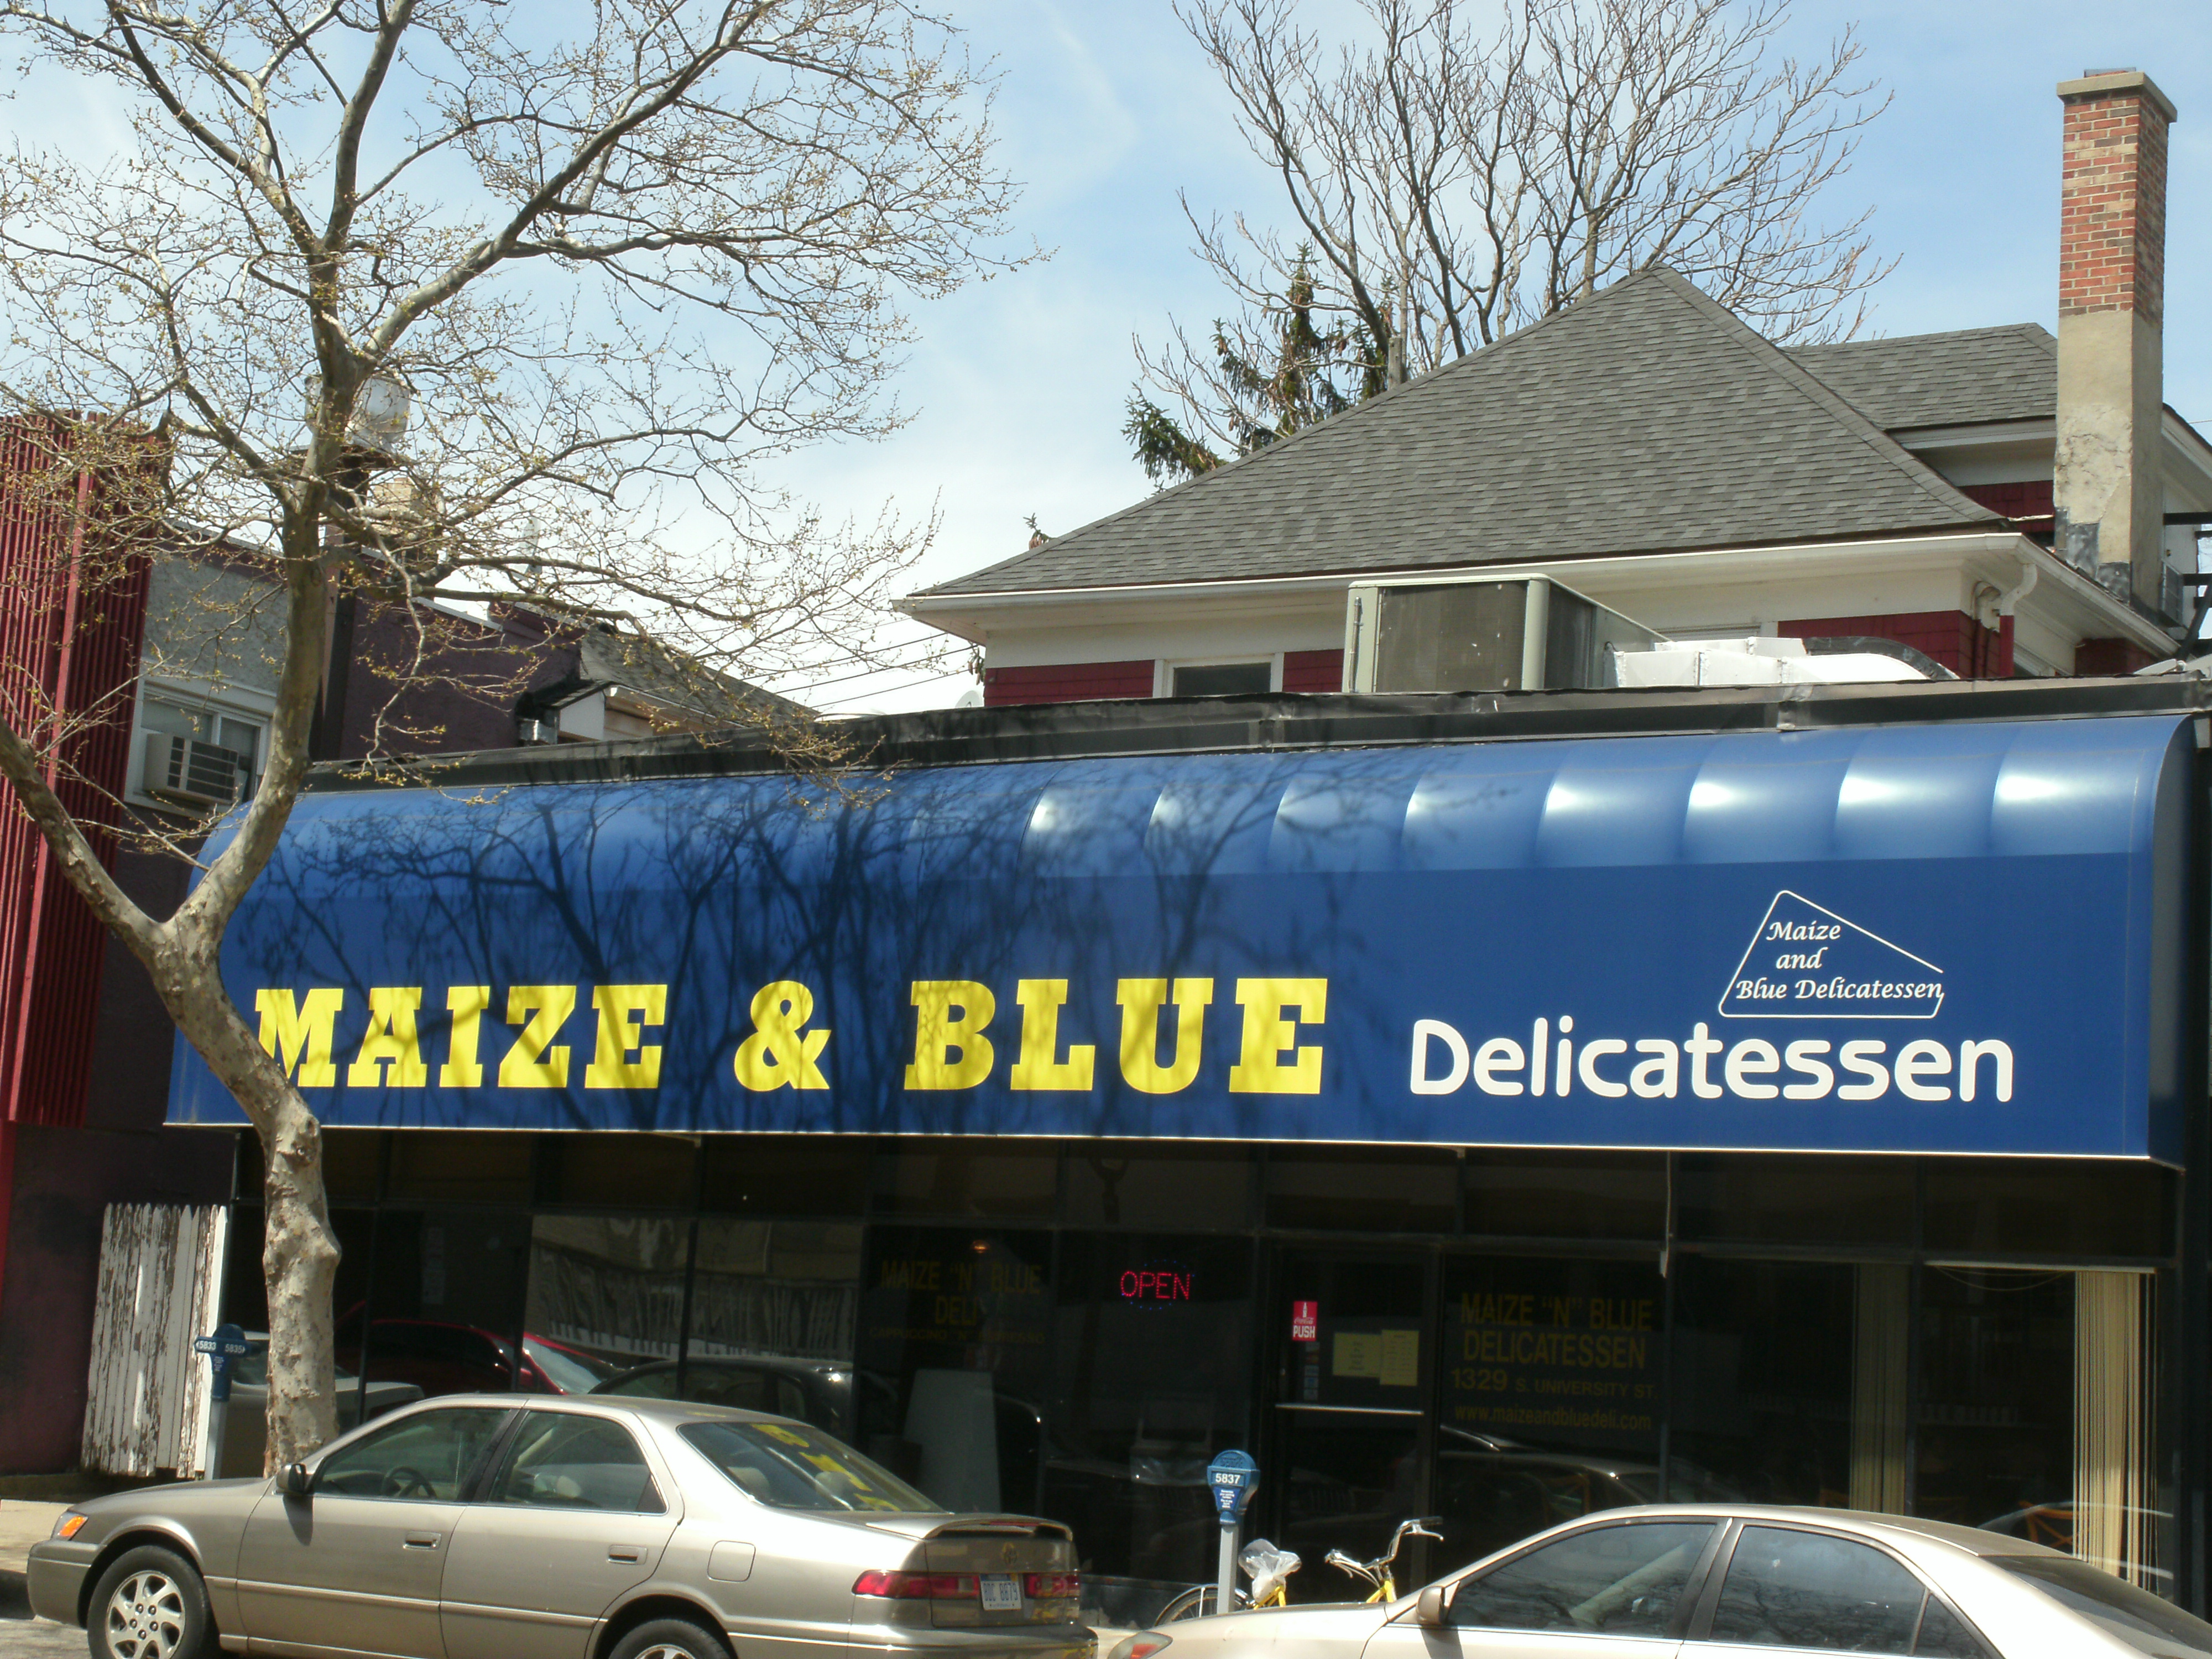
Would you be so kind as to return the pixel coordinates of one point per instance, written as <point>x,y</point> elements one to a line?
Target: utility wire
<point>885,690</point>
<point>860,674</point>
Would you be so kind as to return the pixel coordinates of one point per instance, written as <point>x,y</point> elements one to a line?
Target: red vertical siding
<point>1073,681</point>
<point>2028,503</point>
<point>1951,637</point>
<point>1313,671</point>
<point>2109,657</point>
<point>72,623</point>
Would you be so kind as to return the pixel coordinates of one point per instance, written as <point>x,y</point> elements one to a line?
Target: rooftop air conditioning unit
<point>194,773</point>
<point>1509,634</point>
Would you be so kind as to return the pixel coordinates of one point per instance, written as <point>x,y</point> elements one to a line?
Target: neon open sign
<point>1156,1285</point>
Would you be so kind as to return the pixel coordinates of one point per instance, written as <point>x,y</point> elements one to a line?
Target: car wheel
<point>149,1604</point>
<point>671,1639</point>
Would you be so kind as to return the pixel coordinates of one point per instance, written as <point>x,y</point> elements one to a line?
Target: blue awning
<point>1950,937</point>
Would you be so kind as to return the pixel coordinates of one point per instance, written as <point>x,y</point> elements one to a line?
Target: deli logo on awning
<point>1808,962</point>
<point>1804,963</point>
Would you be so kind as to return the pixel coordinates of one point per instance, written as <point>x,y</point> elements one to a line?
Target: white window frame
<point>237,703</point>
<point>1163,668</point>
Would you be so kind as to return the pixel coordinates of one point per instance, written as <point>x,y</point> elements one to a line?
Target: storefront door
<point>1347,1461</point>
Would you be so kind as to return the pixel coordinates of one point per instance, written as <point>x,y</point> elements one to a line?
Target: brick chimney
<point>2111,303</point>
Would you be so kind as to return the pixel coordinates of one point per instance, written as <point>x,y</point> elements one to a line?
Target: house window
<point>1221,680</point>
<point>193,754</point>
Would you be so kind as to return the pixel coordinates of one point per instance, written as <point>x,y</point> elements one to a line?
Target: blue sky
<point>1106,111</point>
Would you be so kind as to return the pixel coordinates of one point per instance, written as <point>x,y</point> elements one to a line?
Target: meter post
<point>224,1346</point>
<point>1234,1476</point>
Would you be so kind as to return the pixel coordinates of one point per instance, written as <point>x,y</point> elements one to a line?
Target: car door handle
<point>421,1540</point>
<point>624,1552</point>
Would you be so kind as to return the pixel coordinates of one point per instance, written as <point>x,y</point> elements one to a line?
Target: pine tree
<point>1259,403</point>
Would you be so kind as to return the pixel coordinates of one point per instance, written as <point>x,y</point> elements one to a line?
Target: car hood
<point>1339,1626</point>
<point>177,1497</point>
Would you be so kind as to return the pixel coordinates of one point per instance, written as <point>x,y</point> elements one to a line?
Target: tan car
<point>489,1527</point>
<point>1727,1581</point>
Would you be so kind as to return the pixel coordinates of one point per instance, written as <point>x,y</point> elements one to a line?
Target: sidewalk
<point>23,1522</point>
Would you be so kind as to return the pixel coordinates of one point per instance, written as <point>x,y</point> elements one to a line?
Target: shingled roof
<point>1644,419</point>
<point>1964,379</point>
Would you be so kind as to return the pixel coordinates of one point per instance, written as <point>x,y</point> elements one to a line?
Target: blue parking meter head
<point>1233,1477</point>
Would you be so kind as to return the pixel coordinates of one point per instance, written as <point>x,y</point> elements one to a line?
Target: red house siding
<point>69,642</point>
<point>2028,503</point>
<point>1951,637</point>
<point>2109,657</point>
<point>1313,671</point>
<point>72,620</point>
<point>1074,682</point>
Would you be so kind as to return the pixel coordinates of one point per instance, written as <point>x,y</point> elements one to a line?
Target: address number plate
<point>1002,1593</point>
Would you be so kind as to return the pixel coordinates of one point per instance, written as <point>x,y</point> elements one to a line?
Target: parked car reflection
<point>440,1357</point>
<point>816,1391</point>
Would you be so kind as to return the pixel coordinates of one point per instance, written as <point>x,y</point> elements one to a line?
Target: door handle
<point>421,1540</point>
<point>623,1553</point>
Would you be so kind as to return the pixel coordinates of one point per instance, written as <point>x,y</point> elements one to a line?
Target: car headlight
<point>68,1523</point>
<point>1143,1645</point>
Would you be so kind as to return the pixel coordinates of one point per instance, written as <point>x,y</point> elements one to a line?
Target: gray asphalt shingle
<point>1644,419</point>
<point>1964,379</point>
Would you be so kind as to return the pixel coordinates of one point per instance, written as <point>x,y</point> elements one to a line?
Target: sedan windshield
<point>2135,1616</point>
<point>793,1467</point>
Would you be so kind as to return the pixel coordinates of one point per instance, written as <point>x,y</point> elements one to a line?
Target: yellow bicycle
<point>1268,1568</point>
<point>1382,1571</point>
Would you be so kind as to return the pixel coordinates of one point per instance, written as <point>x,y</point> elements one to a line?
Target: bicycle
<point>1268,1568</point>
<point>1381,1572</point>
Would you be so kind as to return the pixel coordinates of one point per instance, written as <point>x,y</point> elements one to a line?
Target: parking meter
<point>225,1345</point>
<point>1234,1477</point>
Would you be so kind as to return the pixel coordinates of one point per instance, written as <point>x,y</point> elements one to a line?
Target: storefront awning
<point>1945,938</point>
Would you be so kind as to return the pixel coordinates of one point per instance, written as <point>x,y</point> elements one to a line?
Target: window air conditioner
<point>1525,633</point>
<point>185,770</point>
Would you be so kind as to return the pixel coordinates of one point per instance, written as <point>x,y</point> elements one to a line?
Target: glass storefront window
<point>1996,1429</point>
<point>1761,1389</point>
<point>1151,1355</point>
<point>445,1308</point>
<point>955,1351</point>
<point>773,1305</point>
<point>1348,1407</point>
<point>604,1289</point>
<point>1549,1396</point>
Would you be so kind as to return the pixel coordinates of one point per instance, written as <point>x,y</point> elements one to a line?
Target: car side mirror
<point>295,1481</point>
<point>1429,1611</point>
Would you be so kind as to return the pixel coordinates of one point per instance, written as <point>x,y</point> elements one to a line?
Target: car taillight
<point>1053,1585</point>
<point>919,1586</point>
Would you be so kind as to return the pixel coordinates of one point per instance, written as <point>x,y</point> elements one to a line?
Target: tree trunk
<point>299,1251</point>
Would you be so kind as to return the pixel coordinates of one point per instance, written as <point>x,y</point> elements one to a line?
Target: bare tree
<point>1446,182</point>
<point>607,262</point>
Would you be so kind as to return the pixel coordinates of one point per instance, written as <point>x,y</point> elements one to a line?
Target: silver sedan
<point>1712,1581</point>
<point>482,1527</point>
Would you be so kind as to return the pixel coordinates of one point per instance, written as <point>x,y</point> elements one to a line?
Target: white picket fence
<point>146,1408</point>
